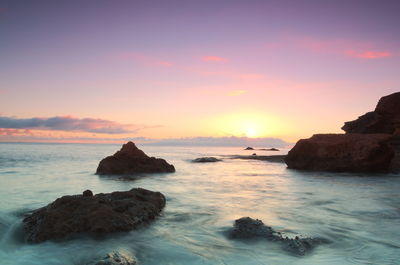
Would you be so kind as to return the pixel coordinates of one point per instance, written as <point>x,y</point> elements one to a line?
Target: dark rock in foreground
<point>342,153</point>
<point>384,119</point>
<point>131,159</point>
<point>115,258</point>
<point>206,160</point>
<point>249,148</point>
<point>247,228</point>
<point>273,158</point>
<point>98,214</point>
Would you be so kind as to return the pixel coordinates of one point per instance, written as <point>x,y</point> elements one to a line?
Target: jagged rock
<point>301,246</point>
<point>247,228</point>
<point>115,258</point>
<point>87,193</point>
<point>206,160</point>
<point>131,159</point>
<point>385,118</point>
<point>342,153</point>
<point>99,214</point>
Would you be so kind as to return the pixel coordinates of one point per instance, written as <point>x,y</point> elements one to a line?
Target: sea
<point>359,214</point>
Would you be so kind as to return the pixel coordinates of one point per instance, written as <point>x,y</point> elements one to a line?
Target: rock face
<point>131,159</point>
<point>371,143</point>
<point>206,160</point>
<point>98,214</point>
<point>247,228</point>
<point>384,119</point>
<point>115,258</point>
<point>342,153</point>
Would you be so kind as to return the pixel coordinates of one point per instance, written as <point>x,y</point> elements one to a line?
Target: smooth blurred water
<point>359,214</point>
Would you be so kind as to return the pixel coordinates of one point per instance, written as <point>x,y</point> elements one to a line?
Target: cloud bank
<point>68,123</point>
<point>221,141</point>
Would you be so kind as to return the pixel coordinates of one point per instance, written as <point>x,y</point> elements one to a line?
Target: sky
<point>114,70</point>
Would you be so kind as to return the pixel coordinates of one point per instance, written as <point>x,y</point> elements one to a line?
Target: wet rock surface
<point>206,160</point>
<point>130,160</point>
<point>342,153</point>
<point>98,214</point>
<point>115,258</point>
<point>247,228</point>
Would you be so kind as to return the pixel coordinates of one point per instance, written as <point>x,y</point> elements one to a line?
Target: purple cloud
<point>68,123</point>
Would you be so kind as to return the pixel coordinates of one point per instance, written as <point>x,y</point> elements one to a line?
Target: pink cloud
<point>368,54</point>
<point>213,59</point>
<point>344,47</point>
<point>164,63</point>
<point>251,77</point>
<point>14,132</point>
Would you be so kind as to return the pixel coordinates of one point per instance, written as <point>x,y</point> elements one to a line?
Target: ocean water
<point>358,213</point>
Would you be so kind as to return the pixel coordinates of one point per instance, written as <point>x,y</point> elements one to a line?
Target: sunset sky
<point>87,70</point>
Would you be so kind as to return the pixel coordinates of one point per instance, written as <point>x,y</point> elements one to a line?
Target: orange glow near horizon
<point>249,124</point>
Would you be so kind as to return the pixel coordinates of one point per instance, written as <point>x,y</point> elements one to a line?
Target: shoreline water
<point>358,212</point>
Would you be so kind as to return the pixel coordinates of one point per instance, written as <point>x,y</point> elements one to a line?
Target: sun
<point>247,124</point>
<point>251,132</point>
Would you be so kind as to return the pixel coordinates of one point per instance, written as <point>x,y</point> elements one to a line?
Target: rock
<point>247,228</point>
<point>269,149</point>
<point>87,193</point>
<point>273,158</point>
<point>206,160</point>
<point>385,118</point>
<point>370,122</point>
<point>254,154</point>
<point>342,153</point>
<point>131,159</point>
<point>300,246</point>
<point>115,258</point>
<point>99,214</point>
<point>249,148</point>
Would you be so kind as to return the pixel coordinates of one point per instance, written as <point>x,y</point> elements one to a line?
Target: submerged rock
<point>273,158</point>
<point>249,148</point>
<point>247,228</point>
<point>115,258</point>
<point>98,214</point>
<point>206,160</point>
<point>384,119</point>
<point>131,159</point>
<point>342,153</point>
<point>269,149</point>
